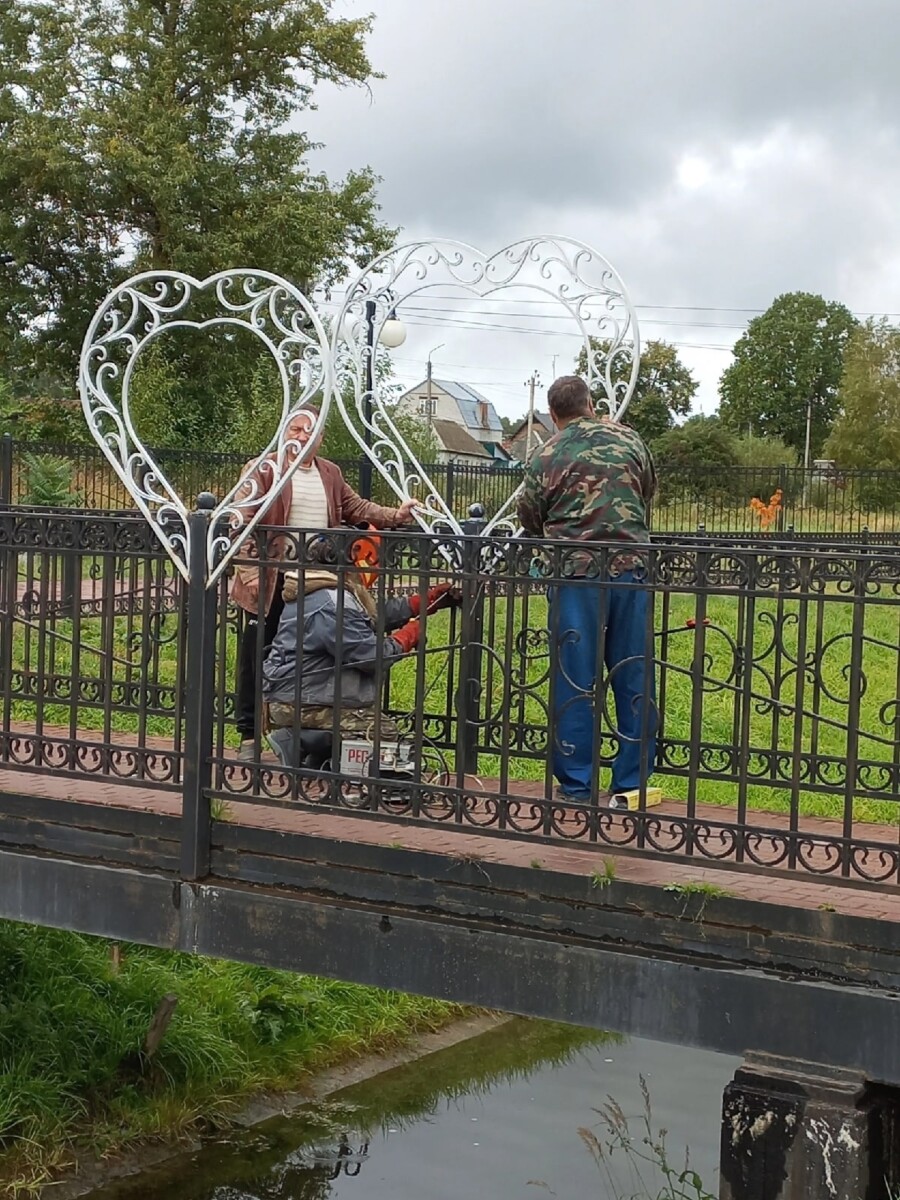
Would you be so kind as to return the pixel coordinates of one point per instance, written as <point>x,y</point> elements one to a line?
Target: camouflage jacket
<point>592,482</point>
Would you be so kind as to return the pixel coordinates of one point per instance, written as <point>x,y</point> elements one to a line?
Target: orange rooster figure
<point>364,556</point>
<point>767,513</point>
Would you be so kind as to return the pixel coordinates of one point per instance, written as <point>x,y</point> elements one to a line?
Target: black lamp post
<point>365,463</point>
<point>392,335</point>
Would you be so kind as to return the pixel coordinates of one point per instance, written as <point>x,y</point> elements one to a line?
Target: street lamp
<point>391,335</point>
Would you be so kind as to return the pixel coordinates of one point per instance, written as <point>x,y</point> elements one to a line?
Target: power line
<point>699,308</point>
<point>533,332</point>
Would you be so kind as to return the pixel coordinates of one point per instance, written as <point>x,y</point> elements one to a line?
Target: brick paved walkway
<point>794,888</point>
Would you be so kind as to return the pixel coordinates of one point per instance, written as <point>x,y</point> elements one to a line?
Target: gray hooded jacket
<point>329,655</point>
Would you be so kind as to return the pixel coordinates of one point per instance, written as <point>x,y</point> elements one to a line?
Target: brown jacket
<point>344,508</point>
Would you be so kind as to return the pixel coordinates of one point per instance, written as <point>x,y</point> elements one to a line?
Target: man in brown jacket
<point>316,497</point>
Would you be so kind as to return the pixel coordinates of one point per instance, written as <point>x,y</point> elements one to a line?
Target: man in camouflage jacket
<point>592,482</point>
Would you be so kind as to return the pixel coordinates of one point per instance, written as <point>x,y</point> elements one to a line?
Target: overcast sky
<point>718,152</point>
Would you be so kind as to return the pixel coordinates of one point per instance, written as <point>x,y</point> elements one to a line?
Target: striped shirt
<point>309,504</point>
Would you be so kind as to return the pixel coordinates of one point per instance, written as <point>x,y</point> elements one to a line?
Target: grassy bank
<point>72,1022</point>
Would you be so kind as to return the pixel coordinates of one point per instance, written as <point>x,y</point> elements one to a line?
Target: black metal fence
<point>779,500</point>
<point>88,481</point>
<point>733,500</point>
<point>776,710</point>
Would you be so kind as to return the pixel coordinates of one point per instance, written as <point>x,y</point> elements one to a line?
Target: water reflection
<point>497,1117</point>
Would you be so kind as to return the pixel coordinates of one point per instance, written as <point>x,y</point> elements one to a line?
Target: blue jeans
<point>579,614</point>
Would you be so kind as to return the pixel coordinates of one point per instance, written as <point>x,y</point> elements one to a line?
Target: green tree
<point>696,458</point>
<point>663,391</point>
<point>753,451</point>
<point>163,134</point>
<point>866,434</point>
<point>789,358</point>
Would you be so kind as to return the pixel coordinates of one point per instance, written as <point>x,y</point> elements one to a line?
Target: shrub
<point>49,481</point>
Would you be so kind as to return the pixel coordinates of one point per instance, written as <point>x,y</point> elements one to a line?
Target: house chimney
<point>483,413</point>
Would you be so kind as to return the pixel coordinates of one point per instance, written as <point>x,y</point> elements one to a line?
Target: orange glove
<point>443,595</point>
<point>407,636</point>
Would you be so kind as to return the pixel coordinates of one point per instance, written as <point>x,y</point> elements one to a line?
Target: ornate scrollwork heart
<point>568,272</point>
<point>133,317</point>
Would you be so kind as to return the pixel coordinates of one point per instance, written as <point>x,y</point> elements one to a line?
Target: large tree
<point>163,134</point>
<point>790,358</point>
<point>866,434</point>
<point>663,391</point>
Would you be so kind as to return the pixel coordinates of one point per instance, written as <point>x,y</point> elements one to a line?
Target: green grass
<point>69,1018</point>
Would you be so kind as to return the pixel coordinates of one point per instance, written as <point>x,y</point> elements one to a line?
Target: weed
<point>603,877</point>
<point>394,845</point>
<point>694,887</point>
<point>220,810</point>
<point>827,908</point>
<point>646,1153</point>
<point>537,864</point>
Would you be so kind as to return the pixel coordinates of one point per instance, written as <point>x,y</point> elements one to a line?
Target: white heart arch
<point>316,369</point>
<point>563,270</point>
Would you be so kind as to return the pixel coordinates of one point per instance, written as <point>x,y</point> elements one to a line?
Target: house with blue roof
<point>445,402</point>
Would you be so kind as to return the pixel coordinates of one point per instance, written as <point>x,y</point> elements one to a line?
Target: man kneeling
<point>330,639</point>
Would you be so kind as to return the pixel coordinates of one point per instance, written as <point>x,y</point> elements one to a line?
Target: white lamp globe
<point>393,333</point>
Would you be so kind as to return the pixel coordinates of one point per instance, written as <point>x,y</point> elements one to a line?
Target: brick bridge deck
<point>797,888</point>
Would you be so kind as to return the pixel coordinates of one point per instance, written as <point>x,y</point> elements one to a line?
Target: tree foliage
<point>790,355</point>
<point>866,434</point>
<point>663,391</point>
<point>760,452</point>
<point>163,134</point>
<point>696,457</point>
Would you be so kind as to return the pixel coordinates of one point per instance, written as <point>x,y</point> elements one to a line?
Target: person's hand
<point>406,510</point>
<point>407,636</point>
<point>442,595</point>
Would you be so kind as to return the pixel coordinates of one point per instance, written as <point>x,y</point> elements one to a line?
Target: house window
<point>427,405</point>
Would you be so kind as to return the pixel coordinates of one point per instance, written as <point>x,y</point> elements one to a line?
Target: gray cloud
<point>717,152</point>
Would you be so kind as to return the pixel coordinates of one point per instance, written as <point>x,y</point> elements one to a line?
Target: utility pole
<point>806,450</point>
<point>553,368</point>
<point>428,402</point>
<point>531,384</point>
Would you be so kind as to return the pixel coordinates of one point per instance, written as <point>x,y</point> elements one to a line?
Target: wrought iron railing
<point>762,501</point>
<point>777,671</point>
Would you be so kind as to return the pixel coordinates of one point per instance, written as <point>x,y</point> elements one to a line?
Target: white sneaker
<point>247,751</point>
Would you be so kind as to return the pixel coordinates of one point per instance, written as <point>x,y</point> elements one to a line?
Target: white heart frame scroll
<point>132,318</point>
<point>565,271</point>
<point>315,366</point>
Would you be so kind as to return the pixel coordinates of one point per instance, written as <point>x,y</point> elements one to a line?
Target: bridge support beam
<point>796,1130</point>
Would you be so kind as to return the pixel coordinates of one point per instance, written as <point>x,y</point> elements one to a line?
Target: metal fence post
<point>200,684</point>
<point>365,464</point>
<point>6,469</point>
<point>472,634</point>
<point>782,485</point>
<point>451,481</point>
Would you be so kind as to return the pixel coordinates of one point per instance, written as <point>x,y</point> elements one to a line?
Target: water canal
<point>496,1117</point>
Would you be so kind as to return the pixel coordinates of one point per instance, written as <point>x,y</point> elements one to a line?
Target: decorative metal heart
<point>135,315</point>
<point>566,271</point>
<point>310,366</point>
